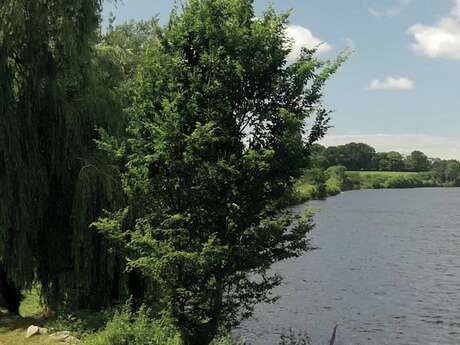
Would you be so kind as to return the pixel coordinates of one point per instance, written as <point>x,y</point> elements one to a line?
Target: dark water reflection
<point>387,271</point>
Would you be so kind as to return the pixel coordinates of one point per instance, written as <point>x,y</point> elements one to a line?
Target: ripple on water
<point>388,272</point>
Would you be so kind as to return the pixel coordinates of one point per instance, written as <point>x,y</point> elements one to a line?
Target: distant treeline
<point>363,157</point>
<point>353,166</point>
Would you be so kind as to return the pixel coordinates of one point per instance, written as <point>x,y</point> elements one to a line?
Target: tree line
<point>148,163</point>
<point>363,157</point>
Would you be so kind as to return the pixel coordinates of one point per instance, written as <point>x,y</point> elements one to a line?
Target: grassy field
<point>308,188</point>
<point>384,173</point>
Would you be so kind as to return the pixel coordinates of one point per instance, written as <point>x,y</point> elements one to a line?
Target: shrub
<point>373,181</point>
<point>304,192</point>
<point>129,328</point>
<point>402,181</point>
<point>352,181</point>
<point>333,186</point>
<point>337,171</point>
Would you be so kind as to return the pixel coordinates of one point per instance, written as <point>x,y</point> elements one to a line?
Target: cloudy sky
<point>401,88</point>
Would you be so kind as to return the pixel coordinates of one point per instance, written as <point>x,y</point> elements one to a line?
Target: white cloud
<point>441,40</point>
<point>303,38</point>
<point>388,13</point>
<point>391,83</point>
<point>433,146</point>
<point>456,10</point>
<point>391,11</point>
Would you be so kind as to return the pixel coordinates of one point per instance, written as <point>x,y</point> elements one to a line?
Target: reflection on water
<point>387,271</point>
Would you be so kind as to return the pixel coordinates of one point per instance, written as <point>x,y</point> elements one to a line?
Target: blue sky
<point>400,89</point>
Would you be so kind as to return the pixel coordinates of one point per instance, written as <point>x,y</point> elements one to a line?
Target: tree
<point>390,161</point>
<point>354,156</point>
<point>55,89</point>
<point>357,156</point>
<point>418,161</point>
<point>452,171</point>
<point>333,156</point>
<point>217,135</point>
<point>318,158</point>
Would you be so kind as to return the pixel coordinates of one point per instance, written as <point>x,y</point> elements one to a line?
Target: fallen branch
<point>332,342</point>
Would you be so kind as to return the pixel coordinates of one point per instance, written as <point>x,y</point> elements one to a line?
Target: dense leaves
<point>56,88</point>
<point>217,134</point>
<point>208,127</point>
<point>360,156</point>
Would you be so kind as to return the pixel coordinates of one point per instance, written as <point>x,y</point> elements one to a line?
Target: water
<point>387,271</point>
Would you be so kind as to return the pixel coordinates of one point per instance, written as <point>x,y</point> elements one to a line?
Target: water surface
<point>387,271</point>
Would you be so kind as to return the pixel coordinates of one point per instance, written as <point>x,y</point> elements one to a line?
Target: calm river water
<point>387,271</point>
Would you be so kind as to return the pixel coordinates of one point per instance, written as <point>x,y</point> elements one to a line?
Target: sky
<point>400,88</point>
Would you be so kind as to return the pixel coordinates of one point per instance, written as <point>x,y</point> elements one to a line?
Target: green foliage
<point>215,141</point>
<point>338,180</point>
<point>390,161</point>
<point>317,178</point>
<point>32,304</point>
<point>333,186</point>
<point>56,88</point>
<point>135,328</point>
<point>80,323</point>
<point>446,171</point>
<point>401,181</point>
<point>303,192</point>
<point>376,179</point>
<point>354,156</point>
<point>418,161</point>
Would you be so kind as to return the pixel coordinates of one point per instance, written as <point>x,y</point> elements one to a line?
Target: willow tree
<point>56,88</point>
<point>220,126</point>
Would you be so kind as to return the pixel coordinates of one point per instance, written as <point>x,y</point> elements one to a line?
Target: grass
<point>384,173</point>
<point>12,329</point>
<point>334,182</point>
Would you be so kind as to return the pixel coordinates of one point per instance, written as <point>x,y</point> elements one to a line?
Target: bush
<point>129,328</point>
<point>303,192</point>
<point>333,186</point>
<point>352,181</point>
<point>80,323</point>
<point>337,171</point>
<point>401,181</point>
<point>373,182</point>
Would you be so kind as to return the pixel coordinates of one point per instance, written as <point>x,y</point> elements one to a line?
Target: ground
<point>12,329</point>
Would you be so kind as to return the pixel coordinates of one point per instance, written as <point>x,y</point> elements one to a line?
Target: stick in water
<point>332,342</point>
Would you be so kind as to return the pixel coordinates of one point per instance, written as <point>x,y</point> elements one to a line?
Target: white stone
<point>71,339</point>
<point>60,336</point>
<point>32,330</point>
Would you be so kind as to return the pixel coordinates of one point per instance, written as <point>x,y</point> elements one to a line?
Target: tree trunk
<point>10,295</point>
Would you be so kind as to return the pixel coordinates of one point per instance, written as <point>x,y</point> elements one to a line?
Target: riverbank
<point>118,325</point>
<point>336,180</point>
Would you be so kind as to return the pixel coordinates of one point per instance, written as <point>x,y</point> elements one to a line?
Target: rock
<point>32,330</point>
<point>60,336</point>
<point>72,340</point>
<point>43,331</point>
<point>65,337</point>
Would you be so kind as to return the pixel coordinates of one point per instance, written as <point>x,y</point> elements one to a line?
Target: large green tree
<point>390,161</point>
<point>418,161</point>
<point>56,87</point>
<point>218,132</point>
